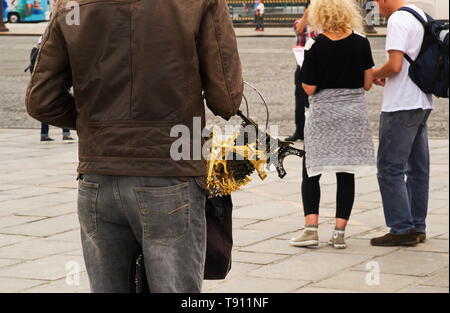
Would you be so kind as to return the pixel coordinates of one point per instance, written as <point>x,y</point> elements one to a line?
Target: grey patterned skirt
<point>337,133</point>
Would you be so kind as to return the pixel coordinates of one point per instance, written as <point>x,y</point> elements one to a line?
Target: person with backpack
<point>403,147</point>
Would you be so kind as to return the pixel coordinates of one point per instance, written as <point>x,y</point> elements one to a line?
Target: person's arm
<point>392,67</point>
<point>48,99</point>
<point>220,65</point>
<point>309,69</point>
<point>396,44</point>
<point>303,22</point>
<point>368,79</point>
<point>368,66</point>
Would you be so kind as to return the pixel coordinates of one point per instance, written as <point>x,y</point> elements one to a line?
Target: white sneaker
<point>338,239</point>
<point>309,238</point>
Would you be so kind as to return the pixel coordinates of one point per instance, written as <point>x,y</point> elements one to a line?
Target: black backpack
<point>430,71</point>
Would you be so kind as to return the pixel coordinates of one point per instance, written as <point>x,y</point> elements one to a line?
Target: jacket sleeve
<point>220,66</point>
<point>48,99</point>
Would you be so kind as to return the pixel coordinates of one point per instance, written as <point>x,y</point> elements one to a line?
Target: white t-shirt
<point>405,33</point>
<point>261,8</point>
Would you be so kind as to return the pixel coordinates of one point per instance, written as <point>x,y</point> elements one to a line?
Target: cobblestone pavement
<point>268,64</point>
<point>40,242</point>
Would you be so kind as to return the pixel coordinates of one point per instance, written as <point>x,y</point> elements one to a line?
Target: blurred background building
<point>439,9</point>
<point>277,13</point>
<point>283,13</point>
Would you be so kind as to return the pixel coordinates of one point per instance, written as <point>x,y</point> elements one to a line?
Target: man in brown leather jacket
<point>138,68</point>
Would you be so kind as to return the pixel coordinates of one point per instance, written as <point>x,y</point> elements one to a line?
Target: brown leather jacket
<point>137,67</point>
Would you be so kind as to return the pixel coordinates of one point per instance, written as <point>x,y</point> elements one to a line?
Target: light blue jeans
<point>404,169</point>
<point>161,217</point>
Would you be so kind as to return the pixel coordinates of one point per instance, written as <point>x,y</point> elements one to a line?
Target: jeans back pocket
<point>87,206</point>
<point>165,212</point>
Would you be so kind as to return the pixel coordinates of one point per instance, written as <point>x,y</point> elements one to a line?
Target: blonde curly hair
<point>335,16</point>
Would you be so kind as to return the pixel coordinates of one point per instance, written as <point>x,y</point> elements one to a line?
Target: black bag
<point>218,249</point>
<point>219,237</point>
<point>430,71</point>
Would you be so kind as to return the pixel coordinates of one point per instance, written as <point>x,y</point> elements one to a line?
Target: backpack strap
<point>416,15</point>
<point>420,19</point>
<point>407,57</point>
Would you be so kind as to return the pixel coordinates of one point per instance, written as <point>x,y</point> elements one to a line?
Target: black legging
<point>345,196</point>
<point>301,102</point>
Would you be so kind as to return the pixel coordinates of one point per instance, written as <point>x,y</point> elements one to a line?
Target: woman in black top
<point>336,71</point>
<point>337,63</point>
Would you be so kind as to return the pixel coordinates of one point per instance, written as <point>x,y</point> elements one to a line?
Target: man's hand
<point>380,81</point>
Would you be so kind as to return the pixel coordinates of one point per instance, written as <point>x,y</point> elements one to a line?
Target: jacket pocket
<point>87,206</point>
<point>164,211</point>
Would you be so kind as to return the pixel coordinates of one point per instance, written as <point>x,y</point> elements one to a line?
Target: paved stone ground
<point>40,245</point>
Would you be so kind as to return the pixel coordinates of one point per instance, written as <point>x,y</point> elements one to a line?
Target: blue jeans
<point>161,217</point>
<point>404,153</point>
<point>45,130</point>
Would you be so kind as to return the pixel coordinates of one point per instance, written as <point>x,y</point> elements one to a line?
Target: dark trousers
<point>345,196</point>
<point>301,102</point>
<point>260,22</point>
<point>45,129</point>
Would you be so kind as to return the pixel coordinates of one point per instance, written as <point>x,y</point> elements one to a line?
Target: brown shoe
<point>421,237</point>
<point>46,138</point>
<point>392,240</point>
<point>67,138</point>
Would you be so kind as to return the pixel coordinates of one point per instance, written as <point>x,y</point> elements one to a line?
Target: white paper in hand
<point>299,53</point>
